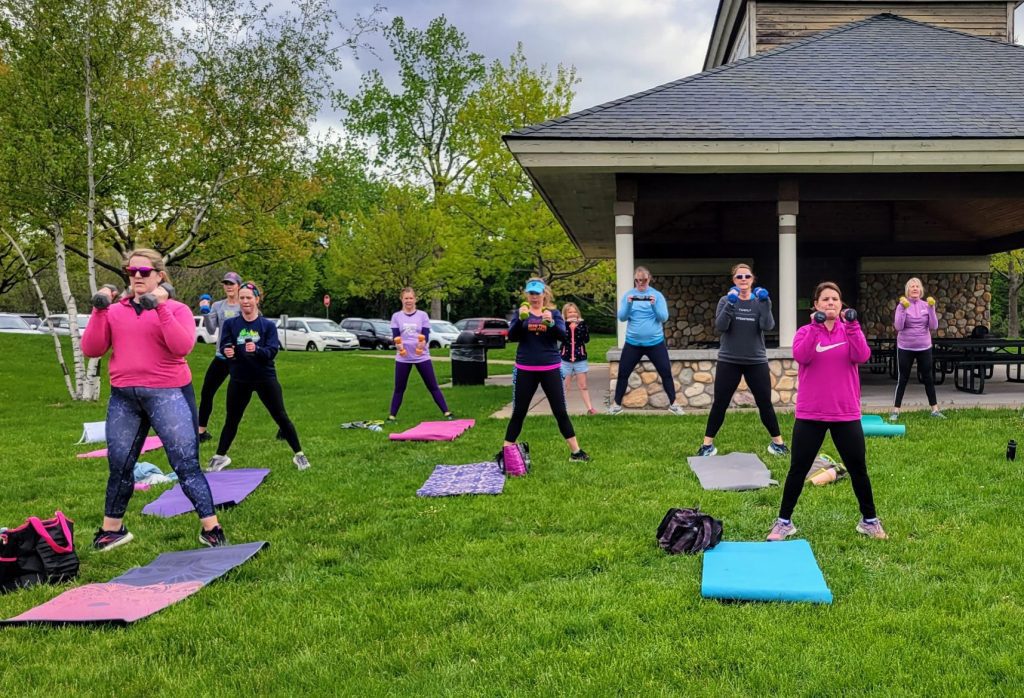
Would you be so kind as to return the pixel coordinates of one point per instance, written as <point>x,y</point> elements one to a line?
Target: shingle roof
<point>885,77</point>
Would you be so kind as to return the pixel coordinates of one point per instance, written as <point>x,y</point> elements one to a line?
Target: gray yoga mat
<point>733,471</point>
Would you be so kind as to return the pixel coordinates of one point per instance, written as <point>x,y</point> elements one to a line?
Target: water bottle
<point>1011,450</point>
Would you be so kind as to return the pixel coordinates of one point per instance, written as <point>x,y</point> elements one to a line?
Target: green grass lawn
<point>556,587</point>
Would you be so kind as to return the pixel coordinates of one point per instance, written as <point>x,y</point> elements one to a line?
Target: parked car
<point>60,324</point>
<point>314,334</point>
<point>372,334</point>
<point>493,330</point>
<point>15,324</point>
<point>203,335</point>
<point>442,334</point>
<point>33,320</point>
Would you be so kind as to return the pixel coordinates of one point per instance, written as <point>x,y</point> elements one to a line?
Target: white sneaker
<point>676,410</point>
<point>300,461</point>
<point>217,463</point>
<point>614,408</point>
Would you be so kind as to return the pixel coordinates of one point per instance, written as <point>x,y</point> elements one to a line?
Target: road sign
<point>327,300</point>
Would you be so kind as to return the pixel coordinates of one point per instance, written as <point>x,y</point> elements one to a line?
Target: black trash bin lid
<point>467,338</point>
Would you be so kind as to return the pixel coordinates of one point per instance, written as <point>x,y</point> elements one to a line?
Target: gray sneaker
<point>781,531</point>
<point>938,415</point>
<point>872,530</point>
<point>300,461</point>
<point>707,450</point>
<point>676,410</point>
<point>614,408</point>
<point>894,416</point>
<point>217,463</point>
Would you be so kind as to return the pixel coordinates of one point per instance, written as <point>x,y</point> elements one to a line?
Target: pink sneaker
<point>872,530</point>
<point>781,531</point>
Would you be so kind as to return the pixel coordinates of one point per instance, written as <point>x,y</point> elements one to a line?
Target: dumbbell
<point>420,339</point>
<point>148,300</point>
<point>102,300</point>
<point>733,296</point>
<point>205,309</point>
<point>524,312</point>
<point>850,315</point>
<point>819,317</point>
<point>761,293</point>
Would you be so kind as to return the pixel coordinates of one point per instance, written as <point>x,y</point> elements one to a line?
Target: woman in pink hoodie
<point>828,352</point>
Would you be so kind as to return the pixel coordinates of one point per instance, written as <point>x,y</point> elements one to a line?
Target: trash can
<point>469,359</point>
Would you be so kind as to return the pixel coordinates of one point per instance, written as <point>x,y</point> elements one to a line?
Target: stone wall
<point>694,378</point>
<point>692,301</point>
<point>963,300</point>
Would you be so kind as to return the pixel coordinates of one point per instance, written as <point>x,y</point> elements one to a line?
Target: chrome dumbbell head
<point>148,300</point>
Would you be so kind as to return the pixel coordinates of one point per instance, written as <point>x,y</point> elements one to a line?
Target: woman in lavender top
<point>915,321</point>
<point>411,329</point>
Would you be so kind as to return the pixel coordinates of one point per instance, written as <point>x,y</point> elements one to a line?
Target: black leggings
<point>216,374</point>
<point>657,355</point>
<point>904,359</point>
<point>727,379</point>
<point>808,435</point>
<point>524,385</point>
<point>239,395</point>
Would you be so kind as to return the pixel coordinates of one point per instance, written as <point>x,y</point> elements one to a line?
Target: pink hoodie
<point>149,348</point>
<point>829,386</point>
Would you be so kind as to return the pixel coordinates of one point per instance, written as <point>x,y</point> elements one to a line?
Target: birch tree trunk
<point>91,388</point>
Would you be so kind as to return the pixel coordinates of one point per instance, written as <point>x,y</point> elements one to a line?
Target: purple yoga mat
<point>150,444</point>
<point>227,487</point>
<point>142,591</point>
<point>434,431</point>
<point>475,478</point>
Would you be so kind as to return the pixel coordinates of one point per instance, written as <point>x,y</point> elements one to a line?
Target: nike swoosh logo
<point>821,348</point>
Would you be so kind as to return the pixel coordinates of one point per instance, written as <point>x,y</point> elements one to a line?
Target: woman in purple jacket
<point>915,321</point>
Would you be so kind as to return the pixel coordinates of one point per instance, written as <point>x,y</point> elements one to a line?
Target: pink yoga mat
<point>150,444</point>
<point>434,431</point>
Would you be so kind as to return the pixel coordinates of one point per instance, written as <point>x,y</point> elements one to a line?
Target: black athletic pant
<point>239,395</point>
<point>524,385</point>
<point>727,379</point>
<point>216,374</point>
<point>657,355</point>
<point>808,435</point>
<point>904,359</point>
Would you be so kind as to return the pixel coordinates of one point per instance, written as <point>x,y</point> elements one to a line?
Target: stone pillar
<point>623,256</point>
<point>789,208</point>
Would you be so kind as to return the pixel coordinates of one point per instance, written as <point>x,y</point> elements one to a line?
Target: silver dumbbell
<point>148,300</point>
<point>102,300</point>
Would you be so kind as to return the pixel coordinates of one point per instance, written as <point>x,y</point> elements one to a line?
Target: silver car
<point>15,324</point>
<point>61,326</point>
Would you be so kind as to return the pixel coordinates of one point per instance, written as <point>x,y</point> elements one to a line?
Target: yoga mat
<point>228,487</point>
<point>475,478</point>
<point>873,425</point>
<point>783,571</point>
<point>93,433</point>
<point>150,444</point>
<point>141,591</point>
<point>733,471</point>
<point>434,431</point>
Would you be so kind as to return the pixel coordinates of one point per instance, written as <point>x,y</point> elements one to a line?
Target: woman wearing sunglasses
<point>645,311</point>
<point>742,318</point>
<point>217,372</point>
<point>250,343</point>
<point>151,386</point>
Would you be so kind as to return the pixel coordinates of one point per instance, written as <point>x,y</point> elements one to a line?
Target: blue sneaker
<point>707,450</point>
<point>778,449</point>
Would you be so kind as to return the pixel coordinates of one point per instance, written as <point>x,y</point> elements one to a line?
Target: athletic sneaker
<point>300,461</point>
<point>872,530</point>
<point>894,416</point>
<point>214,538</point>
<point>781,531</point>
<point>614,408</point>
<point>707,450</point>
<point>580,455</point>
<point>205,436</point>
<point>449,416</point>
<point>778,449</point>
<point>938,415</point>
<point>392,418</point>
<point>676,410</point>
<point>106,540</point>
<point>217,463</point>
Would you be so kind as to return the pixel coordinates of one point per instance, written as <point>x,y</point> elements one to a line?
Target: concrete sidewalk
<point>877,393</point>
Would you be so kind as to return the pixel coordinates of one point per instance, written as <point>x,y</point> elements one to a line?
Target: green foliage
<point>554,587</point>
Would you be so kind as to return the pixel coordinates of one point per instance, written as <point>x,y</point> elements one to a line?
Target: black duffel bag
<point>688,531</point>
<point>37,552</point>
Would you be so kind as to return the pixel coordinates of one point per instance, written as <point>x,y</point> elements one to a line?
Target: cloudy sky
<point>618,47</point>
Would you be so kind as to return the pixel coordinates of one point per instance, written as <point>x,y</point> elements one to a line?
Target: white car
<point>15,324</point>
<point>60,324</point>
<point>442,334</point>
<point>315,334</point>
<point>203,335</point>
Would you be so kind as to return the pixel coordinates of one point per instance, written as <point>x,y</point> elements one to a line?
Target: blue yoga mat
<point>783,571</point>
<point>874,425</point>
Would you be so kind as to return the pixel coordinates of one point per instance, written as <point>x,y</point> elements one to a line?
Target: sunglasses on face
<point>641,281</point>
<point>144,272</point>
<point>251,287</point>
<point>744,276</point>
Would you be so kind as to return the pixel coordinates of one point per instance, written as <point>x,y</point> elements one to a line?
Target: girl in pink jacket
<point>828,352</point>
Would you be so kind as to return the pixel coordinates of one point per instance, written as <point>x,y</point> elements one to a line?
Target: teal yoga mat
<point>874,425</point>
<point>784,571</point>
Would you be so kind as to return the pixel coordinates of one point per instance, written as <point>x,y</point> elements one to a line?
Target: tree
<point>1010,266</point>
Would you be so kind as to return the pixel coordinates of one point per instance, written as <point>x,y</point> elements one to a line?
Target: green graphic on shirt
<point>248,335</point>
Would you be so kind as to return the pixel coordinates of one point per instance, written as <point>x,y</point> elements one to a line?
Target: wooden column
<point>789,208</point>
